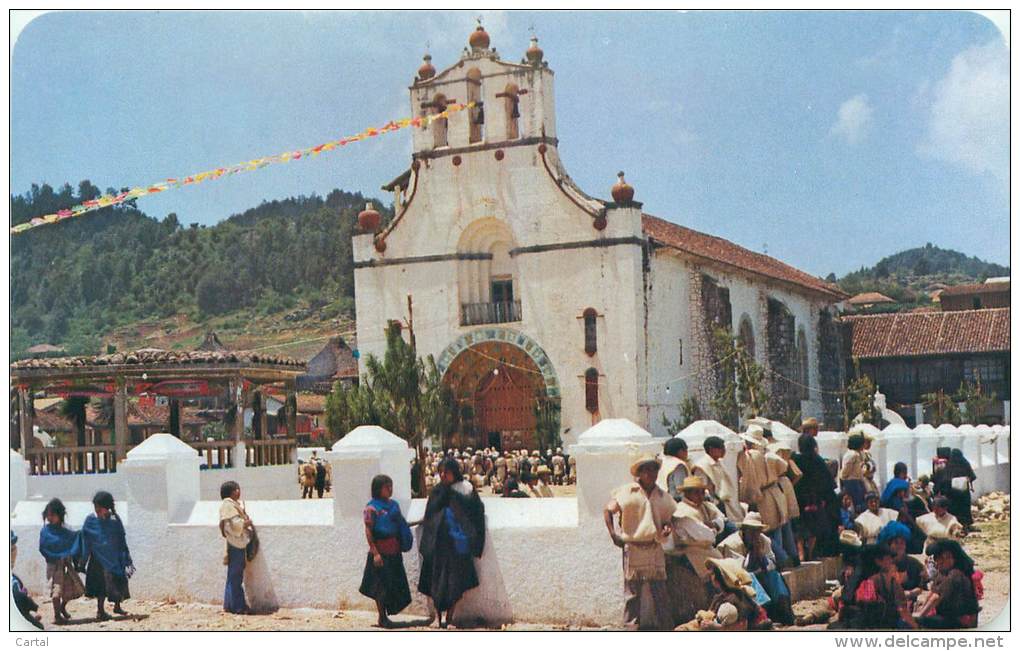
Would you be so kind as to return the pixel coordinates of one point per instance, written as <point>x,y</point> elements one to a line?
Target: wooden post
<point>237,397</point>
<point>121,433</point>
<point>175,417</point>
<point>25,420</point>
<point>264,432</point>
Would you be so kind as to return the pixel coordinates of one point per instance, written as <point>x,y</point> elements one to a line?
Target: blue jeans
<point>784,545</point>
<point>233,594</point>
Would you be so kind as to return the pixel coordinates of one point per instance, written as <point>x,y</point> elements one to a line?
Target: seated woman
<point>910,572</point>
<point>878,600</point>
<point>953,600</point>
<point>842,601</point>
<point>733,608</point>
<point>870,522</point>
<point>754,550</point>
<point>846,513</point>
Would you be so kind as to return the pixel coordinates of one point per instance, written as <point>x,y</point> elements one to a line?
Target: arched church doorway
<point>506,391</point>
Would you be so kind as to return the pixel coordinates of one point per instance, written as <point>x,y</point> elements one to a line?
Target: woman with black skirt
<point>452,536</point>
<point>388,534</point>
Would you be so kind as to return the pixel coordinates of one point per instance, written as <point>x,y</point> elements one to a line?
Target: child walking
<point>108,565</point>
<point>60,547</point>
<point>388,533</point>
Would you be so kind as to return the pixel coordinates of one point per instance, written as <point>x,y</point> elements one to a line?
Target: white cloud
<point>853,119</point>
<point>968,122</point>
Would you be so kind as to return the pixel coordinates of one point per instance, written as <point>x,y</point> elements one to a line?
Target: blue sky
<point>830,138</point>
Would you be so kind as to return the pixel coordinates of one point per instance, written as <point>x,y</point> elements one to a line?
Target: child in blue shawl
<point>60,547</point>
<point>109,565</point>
<point>384,579</point>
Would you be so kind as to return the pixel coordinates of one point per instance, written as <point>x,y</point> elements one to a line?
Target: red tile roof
<point>908,334</point>
<point>718,250</point>
<point>977,288</point>
<point>869,298</point>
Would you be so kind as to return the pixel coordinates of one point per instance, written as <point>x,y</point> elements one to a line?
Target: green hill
<point>78,282</point>
<point>909,276</point>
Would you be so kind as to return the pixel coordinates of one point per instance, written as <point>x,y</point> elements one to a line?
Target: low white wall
<point>261,483</point>
<point>74,487</point>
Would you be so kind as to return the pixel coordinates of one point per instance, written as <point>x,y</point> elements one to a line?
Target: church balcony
<point>483,313</point>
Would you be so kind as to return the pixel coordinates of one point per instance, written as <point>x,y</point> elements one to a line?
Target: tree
<point>690,411</point>
<point>743,386</point>
<point>401,393</point>
<point>860,398</point>
<point>74,410</point>
<point>943,409</point>
<point>547,422</point>
<point>976,402</point>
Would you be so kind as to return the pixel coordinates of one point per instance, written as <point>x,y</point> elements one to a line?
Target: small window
<point>591,343</point>
<point>977,302</point>
<point>591,390</point>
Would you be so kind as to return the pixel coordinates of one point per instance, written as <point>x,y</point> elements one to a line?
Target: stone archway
<point>501,380</point>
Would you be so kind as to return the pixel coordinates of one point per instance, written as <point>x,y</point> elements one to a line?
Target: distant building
<point>910,354</point>
<point>978,296</point>
<point>866,300</point>
<point>44,350</point>
<point>334,363</point>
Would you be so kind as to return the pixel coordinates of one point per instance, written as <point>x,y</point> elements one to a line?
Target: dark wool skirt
<point>446,575</point>
<point>387,584</point>
<point>99,582</point>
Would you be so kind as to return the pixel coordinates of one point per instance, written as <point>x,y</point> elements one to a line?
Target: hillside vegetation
<point>910,276</point>
<point>284,264</point>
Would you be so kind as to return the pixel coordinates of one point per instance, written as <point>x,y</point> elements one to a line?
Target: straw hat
<point>755,435</point>
<point>733,574</point>
<point>809,423</point>
<point>543,470</point>
<point>850,538</point>
<point>693,482</point>
<point>642,460</point>
<point>752,521</point>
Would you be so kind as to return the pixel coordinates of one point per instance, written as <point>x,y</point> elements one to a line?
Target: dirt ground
<point>989,547</point>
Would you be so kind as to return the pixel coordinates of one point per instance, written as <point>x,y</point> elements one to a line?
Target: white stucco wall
<point>671,319</point>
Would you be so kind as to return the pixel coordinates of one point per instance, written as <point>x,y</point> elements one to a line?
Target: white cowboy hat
<point>755,435</point>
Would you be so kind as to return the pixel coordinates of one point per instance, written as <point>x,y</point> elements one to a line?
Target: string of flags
<point>219,172</point>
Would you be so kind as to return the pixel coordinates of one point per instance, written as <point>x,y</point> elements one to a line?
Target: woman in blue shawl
<point>61,547</point>
<point>108,561</point>
<point>892,497</point>
<point>452,536</point>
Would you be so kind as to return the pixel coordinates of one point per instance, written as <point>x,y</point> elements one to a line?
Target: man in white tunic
<point>696,525</point>
<point>675,468</point>
<point>722,487</point>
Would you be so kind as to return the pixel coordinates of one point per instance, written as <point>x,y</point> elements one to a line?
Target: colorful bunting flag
<point>254,164</point>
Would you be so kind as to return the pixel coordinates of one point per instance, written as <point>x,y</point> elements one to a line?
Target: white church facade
<point>529,292</point>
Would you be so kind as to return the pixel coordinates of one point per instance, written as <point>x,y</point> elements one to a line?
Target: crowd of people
<point>703,549</point>
<point>513,473</point>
